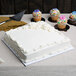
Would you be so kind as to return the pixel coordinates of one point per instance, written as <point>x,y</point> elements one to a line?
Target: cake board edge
<point>25,64</point>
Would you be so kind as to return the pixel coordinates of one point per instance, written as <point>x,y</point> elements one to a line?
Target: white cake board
<point>25,64</point>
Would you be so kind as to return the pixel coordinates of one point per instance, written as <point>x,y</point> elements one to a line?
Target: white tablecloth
<point>65,61</point>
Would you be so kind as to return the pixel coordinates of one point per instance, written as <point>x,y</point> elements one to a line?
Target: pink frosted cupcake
<point>54,14</point>
<point>37,15</point>
<point>62,22</point>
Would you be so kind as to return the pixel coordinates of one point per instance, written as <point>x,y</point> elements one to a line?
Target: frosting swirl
<point>73,15</point>
<point>62,20</point>
<point>54,12</point>
<point>36,13</point>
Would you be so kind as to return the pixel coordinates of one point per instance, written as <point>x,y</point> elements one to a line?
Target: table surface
<point>65,59</point>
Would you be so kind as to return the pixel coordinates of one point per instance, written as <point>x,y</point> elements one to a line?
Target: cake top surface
<point>35,36</point>
<point>36,13</point>
<point>54,12</point>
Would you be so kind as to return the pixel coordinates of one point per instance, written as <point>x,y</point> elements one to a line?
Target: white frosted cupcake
<point>72,17</point>
<point>37,15</point>
<point>54,14</point>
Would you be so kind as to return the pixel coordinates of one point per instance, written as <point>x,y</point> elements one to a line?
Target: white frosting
<point>34,37</point>
<point>1,60</point>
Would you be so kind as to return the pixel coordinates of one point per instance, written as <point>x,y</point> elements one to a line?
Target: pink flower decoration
<point>62,17</point>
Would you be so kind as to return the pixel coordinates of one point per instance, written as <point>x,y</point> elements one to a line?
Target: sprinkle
<point>58,22</point>
<point>64,21</point>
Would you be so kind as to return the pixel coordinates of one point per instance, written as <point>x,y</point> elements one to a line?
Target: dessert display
<point>72,18</point>
<point>11,24</point>
<point>62,22</point>
<point>36,41</point>
<point>1,60</point>
<point>37,15</point>
<point>54,14</point>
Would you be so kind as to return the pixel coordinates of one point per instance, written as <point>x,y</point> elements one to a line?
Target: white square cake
<point>36,41</point>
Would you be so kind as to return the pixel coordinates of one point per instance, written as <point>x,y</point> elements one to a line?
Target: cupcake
<point>62,22</point>
<point>72,17</point>
<point>37,15</point>
<point>54,14</point>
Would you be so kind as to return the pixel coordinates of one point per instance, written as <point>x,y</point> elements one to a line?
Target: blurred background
<point>15,6</point>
